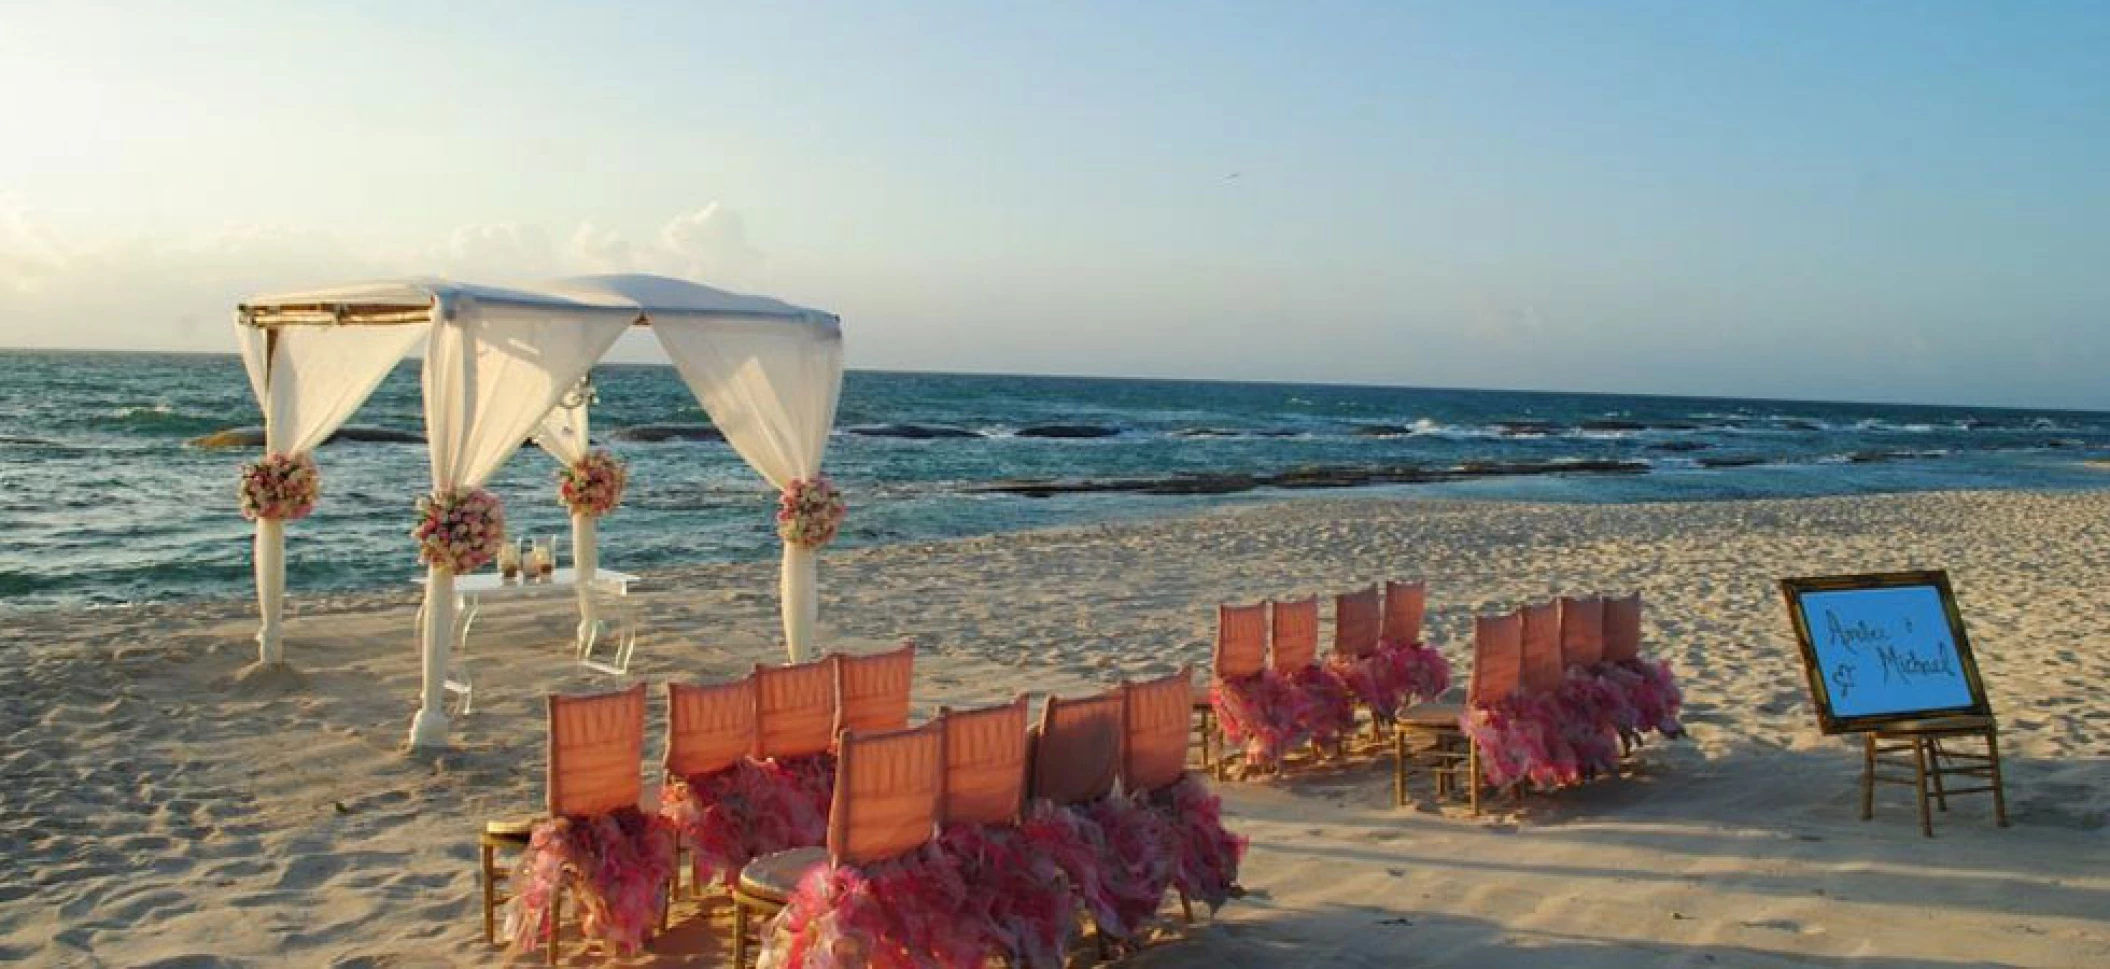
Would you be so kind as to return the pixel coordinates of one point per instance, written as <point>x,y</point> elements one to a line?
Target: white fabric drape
<point>564,435</point>
<point>308,380</point>
<point>491,373</point>
<point>771,387</point>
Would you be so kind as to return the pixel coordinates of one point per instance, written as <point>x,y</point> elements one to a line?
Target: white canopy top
<point>644,297</point>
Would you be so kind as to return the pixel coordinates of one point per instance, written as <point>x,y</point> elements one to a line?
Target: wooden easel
<point>1902,636</point>
<point>1931,762</point>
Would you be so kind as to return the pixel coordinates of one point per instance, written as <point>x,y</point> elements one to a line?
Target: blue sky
<point>1897,201</point>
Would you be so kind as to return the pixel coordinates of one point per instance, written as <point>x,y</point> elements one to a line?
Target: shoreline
<point>157,784</point>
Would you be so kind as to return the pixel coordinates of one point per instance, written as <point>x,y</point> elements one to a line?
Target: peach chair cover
<point>1582,630</point>
<point>1405,605</point>
<point>1077,753</point>
<point>985,764</point>
<point>1296,636</point>
<point>1154,748</point>
<point>709,728</point>
<point>1241,641</point>
<point>595,746</point>
<point>1356,623</point>
<point>889,788</point>
<point>795,708</point>
<point>872,691</point>
<point>1498,658</point>
<point>1543,671</point>
<point>1622,628</point>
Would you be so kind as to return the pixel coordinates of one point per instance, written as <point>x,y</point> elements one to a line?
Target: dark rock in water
<point>1276,433</point>
<point>1491,469</point>
<point>1801,426</point>
<point>1871,457</point>
<point>913,432</point>
<point>1381,430</point>
<point>1675,426</point>
<point>1730,461</point>
<point>1680,447</point>
<point>1202,484</point>
<point>1303,478</point>
<point>1068,430</point>
<point>10,439</point>
<point>254,436</point>
<point>1612,425</point>
<point>1520,428</point>
<point>2062,443</point>
<point>655,433</point>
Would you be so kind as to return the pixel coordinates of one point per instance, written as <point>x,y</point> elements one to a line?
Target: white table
<point>470,592</point>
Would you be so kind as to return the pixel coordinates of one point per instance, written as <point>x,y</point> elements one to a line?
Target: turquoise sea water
<point>103,502</point>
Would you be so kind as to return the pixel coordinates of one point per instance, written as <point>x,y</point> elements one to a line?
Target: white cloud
<point>166,293</point>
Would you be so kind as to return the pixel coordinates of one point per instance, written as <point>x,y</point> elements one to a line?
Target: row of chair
<point>747,732</point>
<point>787,717</point>
<point>896,792</point>
<point>1573,668</point>
<point>1269,688</point>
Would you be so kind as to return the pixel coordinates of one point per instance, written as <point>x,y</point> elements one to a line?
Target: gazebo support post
<point>270,591</point>
<point>585,560</point>
<point>428,729</point>
<point>799,589</point>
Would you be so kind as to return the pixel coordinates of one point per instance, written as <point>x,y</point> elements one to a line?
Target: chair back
<point>1296,635</point>
<point>1077,752</point>
<point>1241,641</point>
<point>595,746</point>
<point>709,728</point>
<point>985,764</point>
<point>1543,671</point>
<point>1356,623</point>
<point>795,708</point>
<point>1498,658</point>
<point>1156,715</point>
<point>889,788</point>
<point>871,692</point>
<point>1622,628</point>
<point>1582,630</point>
<point>1405,604</point>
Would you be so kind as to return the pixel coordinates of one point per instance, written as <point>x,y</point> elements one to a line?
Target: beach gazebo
<point>498,363</point>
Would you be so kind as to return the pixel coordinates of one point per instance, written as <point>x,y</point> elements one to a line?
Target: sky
<point>1891,202</point>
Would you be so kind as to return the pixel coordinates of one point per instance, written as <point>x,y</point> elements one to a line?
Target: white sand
<point>160,808</point>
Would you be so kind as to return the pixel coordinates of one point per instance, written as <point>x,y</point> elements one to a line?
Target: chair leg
<point>1919,772</point>
<point>1399,771</point>
<point>556,923</point>
<point>483,874</point>
<point>1868,776</point>
<point>739,932</point>
<point>1472,775</point>
<point>1186,908</point>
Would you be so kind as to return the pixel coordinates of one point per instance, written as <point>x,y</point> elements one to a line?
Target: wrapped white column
<point>270,590</point>
<point>429,727</point>
<point>799,587</point>
<point>585,560</point>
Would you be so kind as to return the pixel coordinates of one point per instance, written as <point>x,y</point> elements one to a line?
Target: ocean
<point>104,502</point>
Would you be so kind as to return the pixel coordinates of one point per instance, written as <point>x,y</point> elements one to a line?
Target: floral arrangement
<point>1013,893</point>
<point>810,511</point>
<point>459,530</point>
<point>618,864</point>
<point>1262,713</point>
<point>593,485</point>
<point>1327,705</point>
<point>1555,739</point>
<point>1205,854</point>
<point>1393,677</point>
<point>280,487</point>
<point>733,816</point>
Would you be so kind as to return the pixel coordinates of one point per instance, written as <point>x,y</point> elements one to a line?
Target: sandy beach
<point>161,806</point>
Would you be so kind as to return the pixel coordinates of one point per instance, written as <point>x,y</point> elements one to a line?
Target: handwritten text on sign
<point>1885,651</point>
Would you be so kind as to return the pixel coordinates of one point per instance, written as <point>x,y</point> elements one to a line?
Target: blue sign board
<point>1883,648</point>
